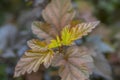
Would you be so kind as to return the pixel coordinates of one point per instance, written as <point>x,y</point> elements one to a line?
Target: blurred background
<point>16,17</point>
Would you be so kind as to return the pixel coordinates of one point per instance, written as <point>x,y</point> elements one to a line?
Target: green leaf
<point>55,43</point>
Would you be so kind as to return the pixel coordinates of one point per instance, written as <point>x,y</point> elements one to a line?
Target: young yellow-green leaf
<point>75,64</point>
<point>66,36</point>
<point>32,59</point>
<point>59,13</point>
<point>69,34</point>
<point>55,43</point>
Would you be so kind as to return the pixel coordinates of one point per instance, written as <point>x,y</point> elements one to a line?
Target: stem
<point>60,50</point>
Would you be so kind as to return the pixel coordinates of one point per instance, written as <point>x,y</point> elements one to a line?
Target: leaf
<point>32,59</point>
<point>41,48</point>
<point>99,45</point>
<point>102,66</point>
<point>31,62</point>
<point>8,36</point>
<point>35,44</point>
<point>74,65</point>
<point>69,34</point>
<point>43,30</point>
<point>59,13</point>
<point>55,43</point>
<point>66,35</point>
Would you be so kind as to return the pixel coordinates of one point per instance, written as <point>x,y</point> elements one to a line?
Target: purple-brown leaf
<point>43,30</point>
<point>59,13</point>
<point>32,59</point>
<point>75,64</point>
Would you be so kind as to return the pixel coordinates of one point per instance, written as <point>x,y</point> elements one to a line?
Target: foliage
<point>33,58</point>
<point>72,33</point>
<point>72,58</point>
<point>54,26</point>
<point>3,75</point>
<point>74,64</point>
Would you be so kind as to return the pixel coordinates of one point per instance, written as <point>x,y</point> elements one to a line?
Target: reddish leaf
<point>59,13</point>
<point>32,59</point>
<point>43,30</point>
<point>75,64</point>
